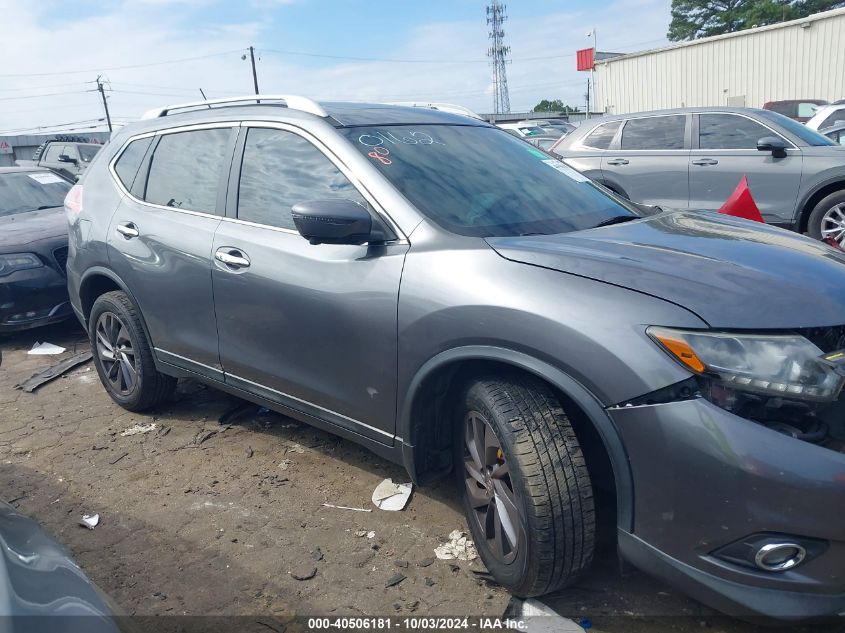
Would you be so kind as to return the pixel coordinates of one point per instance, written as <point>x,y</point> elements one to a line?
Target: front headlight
<point>785,365</point>
<point>18,261</point>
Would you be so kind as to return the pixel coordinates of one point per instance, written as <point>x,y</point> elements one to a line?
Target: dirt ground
<point>203,518</point>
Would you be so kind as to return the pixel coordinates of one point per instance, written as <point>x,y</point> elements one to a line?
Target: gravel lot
<point>203,518</point>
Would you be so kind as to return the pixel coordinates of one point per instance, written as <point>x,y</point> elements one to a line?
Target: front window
<point>810,137</point>
<point>29,191</point>
<point>729,131</point>
<point>479,181</point>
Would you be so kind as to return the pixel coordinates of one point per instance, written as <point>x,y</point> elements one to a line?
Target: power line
<point>94,70</point>
<point>49,94</point>
<point>76,83</point>
<point>49,127</point>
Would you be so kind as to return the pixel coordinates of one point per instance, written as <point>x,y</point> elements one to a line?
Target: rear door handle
<point>705,161</point>
<point>233,257</point>
<point>128,230</point>
<point>618,161</point>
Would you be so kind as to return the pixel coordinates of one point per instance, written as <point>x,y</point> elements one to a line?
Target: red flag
<point>741,204</point>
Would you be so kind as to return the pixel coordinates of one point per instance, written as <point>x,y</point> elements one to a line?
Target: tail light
<point>73,201</point>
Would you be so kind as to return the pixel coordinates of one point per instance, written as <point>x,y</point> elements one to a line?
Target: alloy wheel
<point>116,354</point>
<point>833,223</point>
<point>490,490</point>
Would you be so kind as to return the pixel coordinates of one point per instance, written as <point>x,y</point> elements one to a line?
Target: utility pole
<point>592,69</point>
<point>498,51</point>
<point>588,98</point>
<point>254,74</point>
<point>105,103</point>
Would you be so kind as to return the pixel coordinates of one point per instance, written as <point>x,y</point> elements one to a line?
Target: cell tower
<point>498,51</point>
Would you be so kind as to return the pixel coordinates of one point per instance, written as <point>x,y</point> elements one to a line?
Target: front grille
<point>60,255</point>
<point>827,339</point>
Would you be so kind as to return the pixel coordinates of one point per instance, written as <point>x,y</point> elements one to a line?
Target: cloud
<point>164,30</point>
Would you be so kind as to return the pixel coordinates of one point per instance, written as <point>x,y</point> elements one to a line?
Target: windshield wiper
<point>616,219</point>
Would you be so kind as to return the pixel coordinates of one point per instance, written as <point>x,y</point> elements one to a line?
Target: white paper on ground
<point>459,547</point>
<point>90,521</point>
<point>390,496</point>
<point>43,349</point>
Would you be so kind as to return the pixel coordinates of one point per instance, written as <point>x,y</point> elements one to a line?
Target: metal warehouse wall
<point>800,59</point>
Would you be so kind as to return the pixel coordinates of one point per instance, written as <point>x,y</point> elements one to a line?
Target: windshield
<point>810,137</point>
<point>480,181</point>
<point>28,191</point>
<point>87,152</point>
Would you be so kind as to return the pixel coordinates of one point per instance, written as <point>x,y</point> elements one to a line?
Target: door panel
<point>651,163</point>
<point>314,323</point>
<point>728,151</point>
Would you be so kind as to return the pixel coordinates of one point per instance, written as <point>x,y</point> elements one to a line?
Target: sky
<point>157,52</point>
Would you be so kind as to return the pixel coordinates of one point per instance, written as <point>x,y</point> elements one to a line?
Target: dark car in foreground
<point>33,248</point>
<point>458,301</point>
<point>41,587</point>
<point>693,158</point>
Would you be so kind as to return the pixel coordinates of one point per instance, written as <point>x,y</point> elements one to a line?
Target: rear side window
<point>186,168</point>
<point>281,169</point>
<point>656,132</point>
<point>129,162</point>
<point>602,136</point>
<point>729,131</point>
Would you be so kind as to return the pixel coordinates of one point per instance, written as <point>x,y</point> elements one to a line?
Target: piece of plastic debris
<point>395,579</point>
<point>390,496</point>
<point>43,376</point>
<point>429,582</point>
<point>541,618</point>
<point>331,505</point>
<point>135,429</point>
<point>293,447</point>
<point>43,349</point>
<point>426,562</point>
<point>90,520</point>
<point>370,534</point>
<point>306,572</point>
<point>317,554</point>
<point>458,547</point>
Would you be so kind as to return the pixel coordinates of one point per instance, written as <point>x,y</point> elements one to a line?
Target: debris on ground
<point>458,547</point>
<point>293,447</point>
<point>202,436</point>
<point>285,464</point>
<point>249,452</point>
<point>426,562</point>
<point>305,572</point>
<point>370,534</point>
<point>54,371</point>
<point>43,349</point>
<point>429,582</point>
<point>317,554</point>
<point>390,496</point>
<point>135,429</point>
<point>331,505</point>
<point>401,563</point>
<point>117,459</point>
<point>395,579</point>
<point>454,567</point>
<point>90,521</point>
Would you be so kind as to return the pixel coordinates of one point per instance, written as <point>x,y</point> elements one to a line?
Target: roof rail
<point>444,107</point>
<point>294,102</point>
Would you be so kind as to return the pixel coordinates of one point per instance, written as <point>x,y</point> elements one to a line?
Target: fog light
<point>779,556</point>
<point>773,553</point>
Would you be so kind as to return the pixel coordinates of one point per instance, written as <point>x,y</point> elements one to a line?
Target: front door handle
<point>705,161</point>
<point>232,257</point>
<point>618,161</point>
<point>128,230</point>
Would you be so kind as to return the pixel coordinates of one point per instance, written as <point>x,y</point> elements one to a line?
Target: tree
<point>555,105</point>
<point>692,19</point>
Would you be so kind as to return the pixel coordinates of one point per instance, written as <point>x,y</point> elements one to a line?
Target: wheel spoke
<point>498,537</point>
<point>473,471</point>
<point>500,471</point>
<point>478,497</point>
<point>472,444</point>
<point>508,514</point>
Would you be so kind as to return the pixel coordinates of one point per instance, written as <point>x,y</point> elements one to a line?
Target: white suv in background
<point>828,116</point>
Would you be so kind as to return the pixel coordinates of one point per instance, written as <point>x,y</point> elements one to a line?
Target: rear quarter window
<point>129,163</point>
<point>602,136</point>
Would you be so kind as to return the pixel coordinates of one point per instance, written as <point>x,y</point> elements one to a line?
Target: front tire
<point>122,354</point>
<point>828,218</point>
<point>526,491</point>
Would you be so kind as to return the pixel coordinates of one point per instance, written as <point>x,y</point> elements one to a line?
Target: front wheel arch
<point>432,389</point>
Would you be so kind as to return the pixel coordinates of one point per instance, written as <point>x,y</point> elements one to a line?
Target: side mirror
<point>333,222</point>
<point>777,146</point>
<point>64,158</point>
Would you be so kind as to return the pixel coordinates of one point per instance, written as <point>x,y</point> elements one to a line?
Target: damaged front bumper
<point>706,479</point>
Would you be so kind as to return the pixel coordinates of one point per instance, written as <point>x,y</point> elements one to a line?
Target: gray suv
<point>693,158</point>
<point>454,299</point>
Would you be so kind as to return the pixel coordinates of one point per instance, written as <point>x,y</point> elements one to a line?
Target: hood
<point>22,228</point>
<point>732,273</point>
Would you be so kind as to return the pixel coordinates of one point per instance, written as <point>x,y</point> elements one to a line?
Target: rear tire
<point>122,354</point>
<point>533,460</point>
<point>827,217</point>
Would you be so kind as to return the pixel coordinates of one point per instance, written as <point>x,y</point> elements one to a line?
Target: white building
<point>799,59</point>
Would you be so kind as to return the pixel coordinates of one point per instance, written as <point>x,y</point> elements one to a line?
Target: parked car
<point>68,158</point>
<point>555,128</point>
<point>523,129</point>
<point>693,158</point>
<point>444,107</point>
<point>828,116</point>
<point>43,589</point>
<point>801,110</point>
<point>33,248</point>
<point>835,133</point>
<point>543,142</point>
<point>440,292</point>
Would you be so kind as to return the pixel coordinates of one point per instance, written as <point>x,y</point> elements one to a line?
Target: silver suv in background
<point>827,116</point>
<point>693,158</point>
<point>457,300</point>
